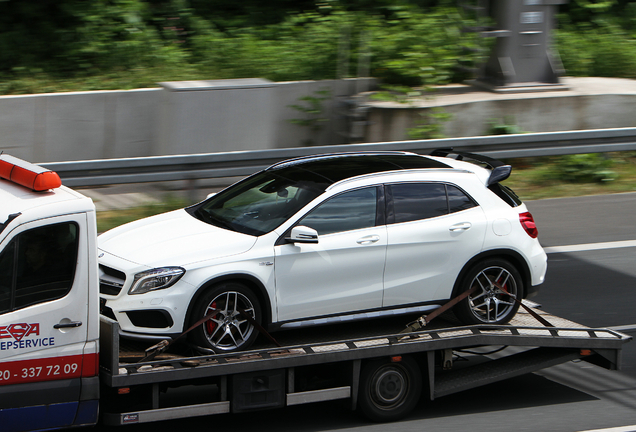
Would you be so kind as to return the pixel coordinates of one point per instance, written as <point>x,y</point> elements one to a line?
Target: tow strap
<point>422,321</point>
<point>157,349</point>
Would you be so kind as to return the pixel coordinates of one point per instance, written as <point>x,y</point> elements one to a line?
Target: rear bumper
<point>538,268</point>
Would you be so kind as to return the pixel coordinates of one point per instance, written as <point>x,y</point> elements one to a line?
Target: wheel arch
<point>249,281</point>
<point>515,258</point>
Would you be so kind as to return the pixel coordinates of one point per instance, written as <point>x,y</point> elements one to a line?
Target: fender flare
<point>248,280</point>
<point>515,259</point>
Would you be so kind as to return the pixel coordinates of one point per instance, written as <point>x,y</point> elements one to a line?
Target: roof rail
<point>306,158</point>
<point>499,170</point>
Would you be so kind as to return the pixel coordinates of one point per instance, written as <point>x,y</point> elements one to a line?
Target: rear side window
<point>417,201</point>
<point>458,200</point>
<point>506,194</point>
<point>38,266</point>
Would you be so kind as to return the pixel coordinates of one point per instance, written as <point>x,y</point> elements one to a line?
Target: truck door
<point>44,308</point>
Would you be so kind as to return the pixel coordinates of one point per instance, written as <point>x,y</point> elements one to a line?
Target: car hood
<point>172,239</point>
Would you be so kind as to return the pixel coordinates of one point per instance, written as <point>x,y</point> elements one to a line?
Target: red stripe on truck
<point>48,369</point>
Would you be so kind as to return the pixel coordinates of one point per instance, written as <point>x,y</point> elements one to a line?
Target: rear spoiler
<point>499,170</point>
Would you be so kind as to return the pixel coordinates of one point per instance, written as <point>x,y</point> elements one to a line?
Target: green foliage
<point>582,168</point>
<point>312,110</point>
<point>398,93</point>
<point>577,168</point>
<point>606,51</point>
<point>505,127</point>
<point>430,124</point>
<point>110,219</point>
<point>62,45</point>
<point>80,45</point>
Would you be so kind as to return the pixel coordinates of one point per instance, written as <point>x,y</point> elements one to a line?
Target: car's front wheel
<point>233,309</point>
<point>497,284</point>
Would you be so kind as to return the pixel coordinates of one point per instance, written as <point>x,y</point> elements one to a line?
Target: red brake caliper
<point>209,324</point>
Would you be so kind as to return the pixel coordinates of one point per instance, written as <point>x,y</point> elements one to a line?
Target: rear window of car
<point>418,201</point>
<point>506,194</point>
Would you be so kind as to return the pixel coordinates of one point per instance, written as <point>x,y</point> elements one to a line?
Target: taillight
<point>527,222</point>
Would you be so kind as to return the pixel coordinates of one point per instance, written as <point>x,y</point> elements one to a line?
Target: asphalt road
<point>594,283</point>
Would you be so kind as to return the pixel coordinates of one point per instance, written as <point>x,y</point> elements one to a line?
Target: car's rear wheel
<point>228,329</point>
<point>498,284</point>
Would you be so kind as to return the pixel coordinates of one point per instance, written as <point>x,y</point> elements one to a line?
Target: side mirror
<point>210,195</point>
<point>303,234</point>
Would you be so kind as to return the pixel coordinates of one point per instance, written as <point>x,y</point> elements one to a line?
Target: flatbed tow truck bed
<point>338,361</point>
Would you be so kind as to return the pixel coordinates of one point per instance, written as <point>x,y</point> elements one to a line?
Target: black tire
<point>489,305</point>
<point>389,390</point>
<point>228,330</point>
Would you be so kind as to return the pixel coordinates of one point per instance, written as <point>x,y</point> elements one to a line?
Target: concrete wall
<point>587,103</point>
<point>253,114</point>
<point>77,126</point>
<point>178,118</point>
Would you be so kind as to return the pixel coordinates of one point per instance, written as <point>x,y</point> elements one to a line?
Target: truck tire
<point>488,305</point>
<point>389,390</point>
<point>227,330</point>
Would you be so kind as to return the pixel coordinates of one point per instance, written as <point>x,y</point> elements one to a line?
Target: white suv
<point>326,239</point>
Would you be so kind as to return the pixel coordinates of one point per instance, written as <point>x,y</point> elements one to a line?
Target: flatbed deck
<point>362,340</point>
<point>269,377</point>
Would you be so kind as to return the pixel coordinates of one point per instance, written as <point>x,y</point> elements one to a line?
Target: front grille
<point>111,281</point>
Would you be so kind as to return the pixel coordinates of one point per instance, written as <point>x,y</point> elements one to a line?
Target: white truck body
<point>61,365</point>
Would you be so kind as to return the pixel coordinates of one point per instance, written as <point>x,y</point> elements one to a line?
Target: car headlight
<point>155,279</point>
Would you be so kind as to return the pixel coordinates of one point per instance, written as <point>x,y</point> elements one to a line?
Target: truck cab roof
<point>30,205</point>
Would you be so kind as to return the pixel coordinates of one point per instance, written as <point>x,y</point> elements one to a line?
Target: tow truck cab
<point>49,322</point>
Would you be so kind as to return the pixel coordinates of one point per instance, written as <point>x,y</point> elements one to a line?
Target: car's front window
<point>345,212</point>
<point>258,204</point>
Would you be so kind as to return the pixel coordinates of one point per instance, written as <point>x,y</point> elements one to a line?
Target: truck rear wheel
<point>389,390</point>
<point>227,329</point>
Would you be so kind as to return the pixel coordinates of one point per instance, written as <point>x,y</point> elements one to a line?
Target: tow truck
<point>63,365</point>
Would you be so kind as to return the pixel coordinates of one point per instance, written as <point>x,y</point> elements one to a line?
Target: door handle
<point>68,325</point>
<point>368,239</point>
<point>460,227</point>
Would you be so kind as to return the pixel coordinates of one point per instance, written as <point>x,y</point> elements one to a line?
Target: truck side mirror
<point>302,234</point>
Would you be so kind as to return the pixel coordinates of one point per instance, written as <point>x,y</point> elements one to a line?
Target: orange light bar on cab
<point>27,174</point>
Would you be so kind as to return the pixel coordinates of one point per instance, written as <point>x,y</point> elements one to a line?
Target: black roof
<point>329,169</point>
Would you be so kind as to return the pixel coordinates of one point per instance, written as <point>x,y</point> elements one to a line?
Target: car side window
<point>345,212</point>
<point>38,265</point>
<point>458,200</point>
<point>417,201</point>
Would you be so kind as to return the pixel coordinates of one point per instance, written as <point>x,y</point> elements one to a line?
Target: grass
<point>546,177</point>
<point>531,179</point>
<point>113,218</point>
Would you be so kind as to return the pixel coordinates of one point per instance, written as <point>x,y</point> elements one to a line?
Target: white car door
<point>43,318</point>
<point>430,237</point>
<point>342,272</point>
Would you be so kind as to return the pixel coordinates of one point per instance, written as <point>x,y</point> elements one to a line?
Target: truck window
<point>38,265</point>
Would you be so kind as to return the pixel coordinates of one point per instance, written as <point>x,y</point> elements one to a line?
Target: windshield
<point>258,204</point>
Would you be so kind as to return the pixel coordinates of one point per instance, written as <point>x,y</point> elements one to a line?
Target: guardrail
<point>243,163</point>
